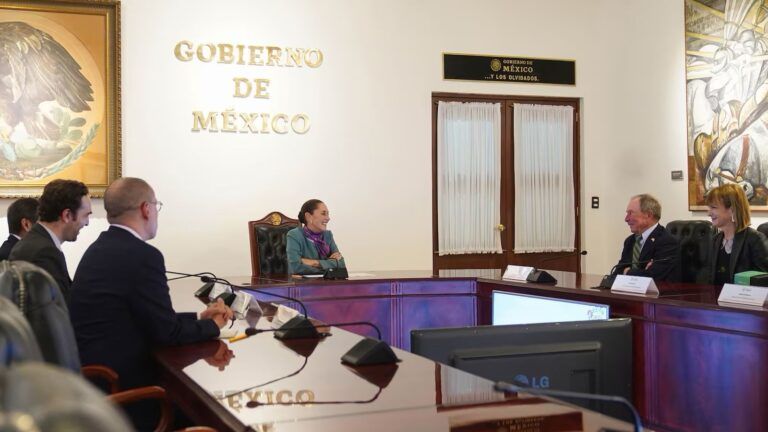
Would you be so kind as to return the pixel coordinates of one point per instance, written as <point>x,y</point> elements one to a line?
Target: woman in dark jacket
<point>736,247</point>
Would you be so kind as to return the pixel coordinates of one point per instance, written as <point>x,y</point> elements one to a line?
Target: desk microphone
<point>607,281</point>
<point>542,276</point>
<point>378,376</point>
<point>302,347</point>
<point>366,352</point>
<point>239,302</point>
<point>507,387</point>
<point>298,327</point>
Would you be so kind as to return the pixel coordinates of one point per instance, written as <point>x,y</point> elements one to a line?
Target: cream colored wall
<point>368,151</point>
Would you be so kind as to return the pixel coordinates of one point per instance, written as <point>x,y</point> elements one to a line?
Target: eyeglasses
<point>158,204</point>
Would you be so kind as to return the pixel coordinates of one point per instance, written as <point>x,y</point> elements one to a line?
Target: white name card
<point>744,294</point>
<point>517,273</point>
<point>634,284</point>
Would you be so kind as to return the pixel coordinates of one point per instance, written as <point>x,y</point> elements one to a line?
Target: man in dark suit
<point>22,214</point>
<point>64,210</point>
<point>650,251</point>
<point>121,308</point>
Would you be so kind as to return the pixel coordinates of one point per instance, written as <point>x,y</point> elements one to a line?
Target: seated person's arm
<point>150,304</point>
<point>297,264</point>
<point>664,264</point>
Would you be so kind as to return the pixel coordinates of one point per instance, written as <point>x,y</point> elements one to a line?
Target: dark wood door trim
<point>568,261</point>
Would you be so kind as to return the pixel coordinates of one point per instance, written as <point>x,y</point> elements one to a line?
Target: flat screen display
<point>512,308</point>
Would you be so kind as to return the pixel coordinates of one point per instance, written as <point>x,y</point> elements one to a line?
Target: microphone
<point>554,258</point>
<point>239,302</point>
<point>202,291</point>
<point>379,376</point>
<point>364,353</point>
<point>297,327</point>
<point>303,347</point>
<point>542,276</point>
<point>608,279</point>
<point>507,387</point>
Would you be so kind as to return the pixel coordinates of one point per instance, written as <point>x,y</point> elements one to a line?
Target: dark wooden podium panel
<point>270,385</point>
<point>697,365</point>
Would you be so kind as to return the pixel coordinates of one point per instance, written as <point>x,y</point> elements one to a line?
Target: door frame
<point>558,260</point>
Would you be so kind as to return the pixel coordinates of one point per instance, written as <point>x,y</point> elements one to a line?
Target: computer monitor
<point>512,308</point>
<point>584,356</point>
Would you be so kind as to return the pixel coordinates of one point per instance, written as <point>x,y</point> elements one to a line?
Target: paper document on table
<point>227,333</point>
<point>361,275</point>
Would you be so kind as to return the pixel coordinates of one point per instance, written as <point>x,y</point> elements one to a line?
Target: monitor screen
<point>512,308</point>
<point>582,356</point>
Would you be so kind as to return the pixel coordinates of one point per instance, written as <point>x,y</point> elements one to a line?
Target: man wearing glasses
<point>120,307</point>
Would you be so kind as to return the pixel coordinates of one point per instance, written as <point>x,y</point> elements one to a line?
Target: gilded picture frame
<point>59,94</point>
<point>726,61</point>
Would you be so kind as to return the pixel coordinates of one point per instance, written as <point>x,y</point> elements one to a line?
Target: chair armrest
<point>149,392</point>
<point>197,429</point>
<point>102,373</point>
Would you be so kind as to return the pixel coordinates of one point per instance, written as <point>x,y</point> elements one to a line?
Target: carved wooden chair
<point>268,241</point>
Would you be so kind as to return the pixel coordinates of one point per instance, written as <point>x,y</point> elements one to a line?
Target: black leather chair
<point>268,240</point>
<point>47,398</point>
<point>695,237</point>
<point>38,298</point>
<point>763,228</point>
<point>17,342</point>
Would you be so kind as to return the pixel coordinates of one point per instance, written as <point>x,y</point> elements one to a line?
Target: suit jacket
<point>299,246</point>
<point>38,248</point>
<point>749,252</point>
<point>8,244</point>
<point>661,247</point>
<point>121,309</point>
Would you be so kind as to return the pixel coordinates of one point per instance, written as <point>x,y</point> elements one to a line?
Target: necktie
<point>636,252</point>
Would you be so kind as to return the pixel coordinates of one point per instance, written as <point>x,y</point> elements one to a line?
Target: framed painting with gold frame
<point>59,94</point>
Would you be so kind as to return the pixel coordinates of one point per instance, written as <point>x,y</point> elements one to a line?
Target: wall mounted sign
<point>59,98</point>
<point>508,69</point>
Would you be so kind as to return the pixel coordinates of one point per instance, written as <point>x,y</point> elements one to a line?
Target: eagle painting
<point>41,90</point>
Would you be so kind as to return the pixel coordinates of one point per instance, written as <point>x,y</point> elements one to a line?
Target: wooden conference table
<point>697,365</point>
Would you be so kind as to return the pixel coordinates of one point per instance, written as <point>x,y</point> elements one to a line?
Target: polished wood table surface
<point>263,384</point>
<point>698,365</point>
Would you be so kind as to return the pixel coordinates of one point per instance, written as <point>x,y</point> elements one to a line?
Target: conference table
<point>697,365</point>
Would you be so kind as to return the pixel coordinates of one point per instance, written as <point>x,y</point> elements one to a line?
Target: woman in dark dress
<point>736,247</point>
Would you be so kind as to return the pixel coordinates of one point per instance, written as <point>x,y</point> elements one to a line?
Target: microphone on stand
<point>542,276</point>
<point>379,376</point>
<point>607,281</point>
<point>507,387</point>
<point>298,327</point>
<point>367,352</point>
<point>302,347</point>
<point>239,302</point>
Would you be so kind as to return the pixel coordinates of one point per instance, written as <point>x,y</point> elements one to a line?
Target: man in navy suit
<point>120,305</point>
<point>64,210</point>
<point>22,214</point>
<point>650,251</point>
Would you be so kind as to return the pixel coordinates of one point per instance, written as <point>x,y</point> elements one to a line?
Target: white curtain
<point>544,195</point>
<point>468,177</point>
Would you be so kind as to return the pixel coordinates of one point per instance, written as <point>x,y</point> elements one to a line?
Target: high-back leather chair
<point>763,228</point>
<point>268,240</point>
<point>695,238</point>
<point>38,297</point>
<point>17,342</point>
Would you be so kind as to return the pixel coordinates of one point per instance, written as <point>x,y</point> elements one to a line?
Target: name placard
<point>634,284</point>
<point>517,273</point>
<point>508,69</point>
<point>744,294</point>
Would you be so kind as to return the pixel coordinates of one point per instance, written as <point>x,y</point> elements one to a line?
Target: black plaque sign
<point>509,69</point>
